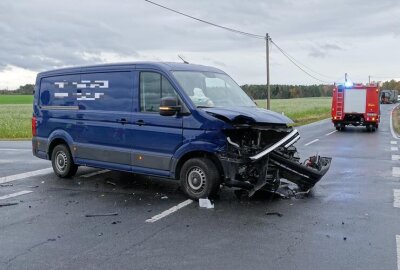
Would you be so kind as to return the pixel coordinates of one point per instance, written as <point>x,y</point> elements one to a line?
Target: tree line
<point>288,91</point>
<point>391,85</point>
<point>26,89</point>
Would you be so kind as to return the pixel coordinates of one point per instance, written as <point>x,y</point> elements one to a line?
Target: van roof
<point>164,66</point>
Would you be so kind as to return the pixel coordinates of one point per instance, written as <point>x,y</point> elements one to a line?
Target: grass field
<point>301,110</point>
<point>16,99</point>
<point>16,113</point>
<point>396,120</point>
<point>15,121</point>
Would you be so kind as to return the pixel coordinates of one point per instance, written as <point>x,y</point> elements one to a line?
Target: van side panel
<point>105,104</point>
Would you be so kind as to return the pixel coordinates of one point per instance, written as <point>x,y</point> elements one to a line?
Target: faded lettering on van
<point>84,84</point>
<point>88,96</point>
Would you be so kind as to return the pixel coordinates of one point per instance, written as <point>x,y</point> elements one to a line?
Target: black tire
<point>200,178</point>
<point>369,128</point>
<point>337,128</point>
<point>62,162</point>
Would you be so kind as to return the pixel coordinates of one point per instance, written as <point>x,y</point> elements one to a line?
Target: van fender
<point>59,134</point>
<point>192,147</point>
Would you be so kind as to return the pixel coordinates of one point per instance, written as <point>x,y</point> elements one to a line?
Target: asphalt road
<point>350,220</point>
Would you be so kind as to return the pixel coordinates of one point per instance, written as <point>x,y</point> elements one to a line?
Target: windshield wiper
<point>203,106</point>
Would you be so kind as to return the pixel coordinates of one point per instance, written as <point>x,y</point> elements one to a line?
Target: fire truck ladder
<point>339,104</point>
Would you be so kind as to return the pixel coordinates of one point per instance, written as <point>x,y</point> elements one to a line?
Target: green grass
<point>16,99</point>
<point>301,110</point>
<point>15,121</point>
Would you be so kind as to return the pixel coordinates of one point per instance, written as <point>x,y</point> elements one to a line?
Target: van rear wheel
<point>62,162</point>
<point>199,178</point>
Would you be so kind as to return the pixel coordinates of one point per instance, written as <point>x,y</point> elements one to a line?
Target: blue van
<point>180,121</point>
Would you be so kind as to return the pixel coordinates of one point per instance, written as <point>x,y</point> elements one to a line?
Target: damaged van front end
<point>258,155</point>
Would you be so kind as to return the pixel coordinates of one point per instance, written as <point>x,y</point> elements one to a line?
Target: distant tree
<point>26,89</point>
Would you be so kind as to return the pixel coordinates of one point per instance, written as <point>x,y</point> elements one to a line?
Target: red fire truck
<point>357,105</point>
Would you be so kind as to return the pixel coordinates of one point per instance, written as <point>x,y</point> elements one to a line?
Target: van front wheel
<point>199,178</point>
<point>62,162</point>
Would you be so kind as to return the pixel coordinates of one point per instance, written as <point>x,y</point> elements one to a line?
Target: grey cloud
<point>39,35</point>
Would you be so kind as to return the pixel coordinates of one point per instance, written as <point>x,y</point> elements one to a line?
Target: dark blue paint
<point>97,123</point>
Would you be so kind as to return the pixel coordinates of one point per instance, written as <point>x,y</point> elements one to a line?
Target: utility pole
<point>267,63</point>
<point>369,79</point>
<point>345,77</point>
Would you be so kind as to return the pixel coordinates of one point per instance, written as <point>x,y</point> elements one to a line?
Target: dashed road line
<point>396,198</point>
<point>94,173</point>
<point>330,133</point>
<point>395,157</point>
<point>396,171</point>
<point>12,195</point>
<point>169,211</point>
<point>307,144</point>
<point>19,176</point>
<point>393,142</point>
<point>398,251</point>
<point>394,148</point>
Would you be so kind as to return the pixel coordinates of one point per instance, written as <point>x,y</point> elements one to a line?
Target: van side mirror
<point>169,106</point>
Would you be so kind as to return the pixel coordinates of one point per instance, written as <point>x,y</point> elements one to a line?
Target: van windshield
<point>210,89</point>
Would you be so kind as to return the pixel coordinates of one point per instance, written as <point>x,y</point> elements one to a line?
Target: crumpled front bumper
<point>273,163</point>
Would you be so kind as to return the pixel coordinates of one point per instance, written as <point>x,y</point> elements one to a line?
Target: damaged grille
<point>256,142</point>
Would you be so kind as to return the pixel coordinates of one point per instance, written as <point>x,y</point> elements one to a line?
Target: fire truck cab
<point>356,105</point>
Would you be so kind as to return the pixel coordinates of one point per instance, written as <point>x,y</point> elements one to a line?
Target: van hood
<point>248,115</point>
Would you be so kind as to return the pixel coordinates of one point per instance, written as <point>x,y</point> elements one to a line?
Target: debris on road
<point>6,185</point>
<point>206,203</point>
<point>8,204</point>
<point>111,183</point>
<point>102,215</point>
<point>164,197</point>
<point>116,222</point>
<point>274,214</point>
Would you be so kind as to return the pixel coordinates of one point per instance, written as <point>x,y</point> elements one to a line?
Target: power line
<point>291,59</point>
<point>207,22</point>
<point>296,64</point>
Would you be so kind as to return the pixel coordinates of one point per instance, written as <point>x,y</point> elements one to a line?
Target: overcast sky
<point>361,37</point>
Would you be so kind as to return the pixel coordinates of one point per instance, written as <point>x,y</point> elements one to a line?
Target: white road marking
<point>398,251</point>
<point>14,149</point>
<point>396,171</point>
<point>15,194</point>
<point>316,140</point>
<point>169,211</point>
<point>394,148</point>
<point>395,157</point>
<point>94,173</point>
<point>24,175</point>
<point>393,142</point>
<point>396,198</point>
<point>330,133</point>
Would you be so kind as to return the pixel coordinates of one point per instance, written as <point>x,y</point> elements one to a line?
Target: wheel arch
<point>59,137</point>
<point>198,154</point>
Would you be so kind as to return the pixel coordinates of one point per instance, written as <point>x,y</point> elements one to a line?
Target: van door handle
<point>140,122</point>
<point>122,121</point>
